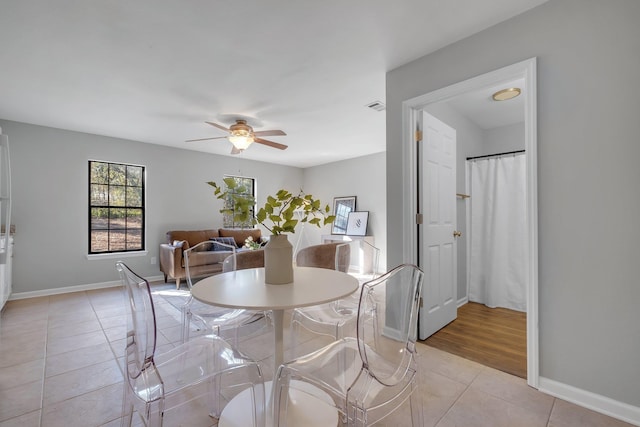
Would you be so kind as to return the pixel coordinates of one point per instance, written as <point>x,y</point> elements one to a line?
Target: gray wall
<point>49,177</point>
<point>502,139</point>
<point>363,177</point>
<point>588,103</point>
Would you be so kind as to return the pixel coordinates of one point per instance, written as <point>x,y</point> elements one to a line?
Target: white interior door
<point>437,203</point>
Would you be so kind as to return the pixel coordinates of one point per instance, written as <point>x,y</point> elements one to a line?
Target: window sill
<point>115,255</point>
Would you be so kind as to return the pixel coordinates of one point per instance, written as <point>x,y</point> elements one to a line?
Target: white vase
<point>278,260</point>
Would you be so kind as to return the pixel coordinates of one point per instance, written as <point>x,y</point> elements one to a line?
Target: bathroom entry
<point>490,299</point>
<point>452,105</point>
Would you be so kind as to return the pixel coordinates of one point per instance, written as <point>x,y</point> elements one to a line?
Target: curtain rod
<point>495,155</point>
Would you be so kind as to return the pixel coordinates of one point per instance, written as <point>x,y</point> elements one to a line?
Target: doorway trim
<point>410,119</point>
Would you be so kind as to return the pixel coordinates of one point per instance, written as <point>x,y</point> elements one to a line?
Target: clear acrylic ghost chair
<point>337,319</point>
<point>244,260</point>
<point>225,322</point>
<point>370,376</point>
<point>200,369</point>
<point>319,256</point>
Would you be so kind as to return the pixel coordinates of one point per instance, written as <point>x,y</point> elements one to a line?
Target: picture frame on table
<point>342,206</point>
<point>357,223</point>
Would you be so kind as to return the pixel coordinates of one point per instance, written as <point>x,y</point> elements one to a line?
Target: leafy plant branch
<point>284,210</point>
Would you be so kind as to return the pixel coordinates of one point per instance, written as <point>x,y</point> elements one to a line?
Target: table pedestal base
<point>304,410</point>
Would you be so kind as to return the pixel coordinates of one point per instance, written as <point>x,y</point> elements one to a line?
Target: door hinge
<point>418,135</point>
<point>419,218</point>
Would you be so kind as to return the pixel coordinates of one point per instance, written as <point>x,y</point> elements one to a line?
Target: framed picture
<point>357,223</point>
<point>342,206</point>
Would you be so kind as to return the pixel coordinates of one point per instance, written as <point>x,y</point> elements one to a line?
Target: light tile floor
<point>60,359</point>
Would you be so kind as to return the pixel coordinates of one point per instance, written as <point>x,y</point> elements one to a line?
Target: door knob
<point>457,233</point>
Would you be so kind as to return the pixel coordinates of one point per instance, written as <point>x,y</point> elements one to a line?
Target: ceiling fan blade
<point>271,143</point>
<point>205,139</point>
<point>275,132</point>
<point>218,126</point>
<point>235,150</point>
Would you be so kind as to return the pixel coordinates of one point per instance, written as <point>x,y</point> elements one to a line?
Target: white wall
<point>588,103</point>
<point>49,168</point>
<point>363,177</point>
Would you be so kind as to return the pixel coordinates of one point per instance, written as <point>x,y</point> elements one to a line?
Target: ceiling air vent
<point>377,105</point>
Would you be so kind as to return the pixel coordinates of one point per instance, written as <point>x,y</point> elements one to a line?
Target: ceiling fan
<point>241,135</point>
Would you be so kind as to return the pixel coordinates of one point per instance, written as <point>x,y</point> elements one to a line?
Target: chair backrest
<point>200,259</point>
<point>359,258</point>
<point>320,256</point>
<point>386,340</point>
<point>141,322</point>
<point>244,260</point>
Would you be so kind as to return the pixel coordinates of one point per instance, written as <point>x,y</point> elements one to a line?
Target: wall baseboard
<point>77,288</point>
<point>604,405</point>
<point>462,301</point>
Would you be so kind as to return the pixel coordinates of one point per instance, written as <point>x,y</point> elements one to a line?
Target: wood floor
<point>494,337</point>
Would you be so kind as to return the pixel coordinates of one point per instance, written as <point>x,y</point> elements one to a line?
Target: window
<point>116,207</point>
<point>244,187</point>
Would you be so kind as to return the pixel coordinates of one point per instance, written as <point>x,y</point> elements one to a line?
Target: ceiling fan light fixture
<point>241,136</point>
<point>506,94</point>
<point>240,140</point>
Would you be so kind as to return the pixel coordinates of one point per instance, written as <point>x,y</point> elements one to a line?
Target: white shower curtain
<point>498,264</point>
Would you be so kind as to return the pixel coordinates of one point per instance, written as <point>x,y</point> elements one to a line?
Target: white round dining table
<point>247,289</point>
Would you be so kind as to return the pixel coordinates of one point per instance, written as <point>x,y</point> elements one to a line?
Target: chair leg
<point>155,411</point>
<point>258,397</point>
<point>415,402</point>
<point>295,337</point>
<point>280,397</point>
<point>178,283</point>
<point>127,407</point>
<point>186,325</point>
<point>356,416</point>
<point>165,278</point>
<point>214,391</point>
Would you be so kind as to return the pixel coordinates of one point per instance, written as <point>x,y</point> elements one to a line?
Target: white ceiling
<point>480,108</point>
<point>155,70</point>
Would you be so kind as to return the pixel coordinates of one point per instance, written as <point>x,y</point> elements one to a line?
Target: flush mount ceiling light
<point>506,94</point>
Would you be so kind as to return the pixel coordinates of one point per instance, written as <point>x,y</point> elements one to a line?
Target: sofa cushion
<point>206,259</point>
<point>226,240</point>
<point>193,237</point>
<point>241,234</point>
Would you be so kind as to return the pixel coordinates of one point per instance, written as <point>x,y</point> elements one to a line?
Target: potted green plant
<point>280,214</point>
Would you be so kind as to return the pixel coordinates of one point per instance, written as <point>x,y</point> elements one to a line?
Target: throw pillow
<point>227,240</point>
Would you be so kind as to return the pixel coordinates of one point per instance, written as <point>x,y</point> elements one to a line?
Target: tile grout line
<point>44,367</point>
<point>555,400</point>
<point>488,370</point>
<point>467,386</point>
<point>453,404</point>
<point>115,358</point>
